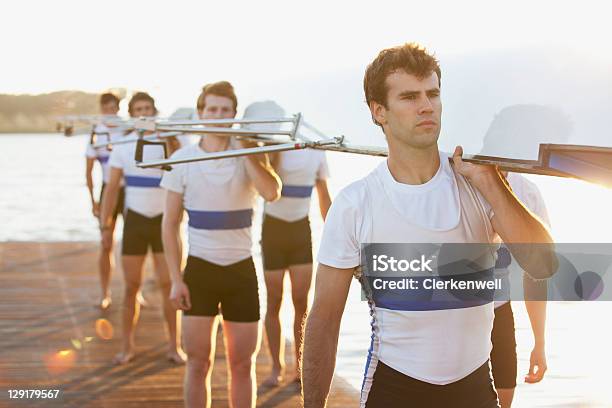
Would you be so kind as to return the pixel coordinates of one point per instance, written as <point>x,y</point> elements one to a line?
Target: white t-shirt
<point>102,155</point>
<point>431,343</point>
<point>219,198</point>
<point>529,194</point>
<point>142,192</point>
<point>298,170</point>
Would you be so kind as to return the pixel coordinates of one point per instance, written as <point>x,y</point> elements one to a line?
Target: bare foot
<point>273,380</point>
<point>105,303</point>
<point>141,300</point>
<point>177,357</point>
<point>123,357</point>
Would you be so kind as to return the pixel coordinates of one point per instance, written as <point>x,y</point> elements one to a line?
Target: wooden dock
<point>52,337</point>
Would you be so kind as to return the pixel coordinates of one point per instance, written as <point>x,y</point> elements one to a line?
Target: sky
<point>310,56</point>
<point>94,45</point>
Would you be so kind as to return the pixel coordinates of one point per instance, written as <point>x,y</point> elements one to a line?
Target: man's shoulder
<point>353,195</point>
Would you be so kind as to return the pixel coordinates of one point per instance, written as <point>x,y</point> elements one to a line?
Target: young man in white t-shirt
<point>109,106</point>
<point>218,196</point>
<point>144,203</point>
<point>422,354</point>
<point>286,238</point>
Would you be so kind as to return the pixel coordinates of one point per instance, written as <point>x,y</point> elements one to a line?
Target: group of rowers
<point>419,357</point>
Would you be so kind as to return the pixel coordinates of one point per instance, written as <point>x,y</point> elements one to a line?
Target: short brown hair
<point>109,97</point>
<point>221,88</point>
<point>410,57</point>
<point>141,96</point>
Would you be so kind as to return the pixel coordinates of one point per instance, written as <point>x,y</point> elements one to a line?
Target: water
<point>43,198</point>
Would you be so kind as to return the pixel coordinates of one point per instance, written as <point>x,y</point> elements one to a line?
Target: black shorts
<point>141,233</point>
<point>503,354</point>
<point>120,200</point>
<point>285,243</point>
<point>391,389</point>
<point>233,287</point>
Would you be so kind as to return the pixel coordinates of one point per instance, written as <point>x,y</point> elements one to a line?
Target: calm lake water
<point>43,198</point>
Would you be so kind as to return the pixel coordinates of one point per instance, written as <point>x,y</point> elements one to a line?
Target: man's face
<point>142,108</point>
<point>217,107</point>
<point>109,108</point>
<point>414,110</point>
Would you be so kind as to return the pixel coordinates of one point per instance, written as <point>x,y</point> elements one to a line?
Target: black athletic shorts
<point>285,243</point>
<point>503,354</point>
<point>141,233</point>
<point>120,200</point>
<point>232,287</point>
<point>392,389</point>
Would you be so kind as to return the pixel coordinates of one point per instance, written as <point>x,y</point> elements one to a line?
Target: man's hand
<point>537,359</point>
<point>247,144</point>
<point>95,209</point>
<point>479,175</point>
<point>179,295</point>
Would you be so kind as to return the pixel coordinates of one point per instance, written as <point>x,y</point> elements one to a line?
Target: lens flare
<point>60,362</point>
<point>76,343</point>
<point>104,329</point>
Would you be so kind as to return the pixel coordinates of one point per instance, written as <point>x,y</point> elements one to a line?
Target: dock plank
<point>48,338</point>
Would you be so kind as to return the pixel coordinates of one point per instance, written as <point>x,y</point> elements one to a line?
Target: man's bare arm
<point>324,197</point>
<point>89,163</point>
<point>514,223</point>
<point>110,196</point>
<point>321,334</point>
<point>171,236</point>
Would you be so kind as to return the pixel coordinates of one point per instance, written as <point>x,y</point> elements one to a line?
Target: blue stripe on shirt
<point>296,191</point>
<point>140,181</point>
<point>220,220</point>
<point>422,299</point>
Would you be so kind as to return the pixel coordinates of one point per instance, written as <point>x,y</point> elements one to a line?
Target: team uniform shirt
<point>298,170</point>
<point>529,194</point>
<point>142,191</point>
<point>423,341</point>
<point>219,197</point>
<point>102,155</point>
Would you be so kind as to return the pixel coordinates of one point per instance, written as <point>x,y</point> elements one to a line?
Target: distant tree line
<point>37,113</point>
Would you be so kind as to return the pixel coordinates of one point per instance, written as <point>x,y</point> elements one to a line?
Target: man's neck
<point>213,143</point>
<point>409,165</point>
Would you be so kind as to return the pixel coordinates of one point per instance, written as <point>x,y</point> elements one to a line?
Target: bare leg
<point>105,267</point>
<point>175,353</point>
<point>276,341</point>
<point>132,272</point>
<point>242,345</point>
<point>199,340</point>
<point>505,395</point>
<point>301,279</point>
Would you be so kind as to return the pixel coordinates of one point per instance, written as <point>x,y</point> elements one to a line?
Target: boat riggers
<point>216,126</point>
<point>154,138</point>
<point>588,163</point>
<point>321,144</point>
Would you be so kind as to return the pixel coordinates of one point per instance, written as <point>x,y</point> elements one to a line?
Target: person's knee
<point>165,286</point>
<point>242,366</point>
<point>273,302</point>
<point>300,303</point>
<point>131,288</point>
<point>198,363</point>
<point>106,247</point>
